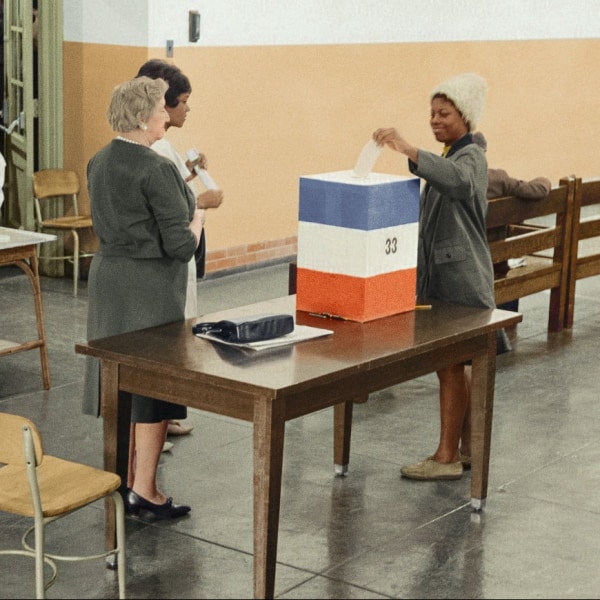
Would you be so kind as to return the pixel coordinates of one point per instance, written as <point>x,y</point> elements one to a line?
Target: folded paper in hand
<point>250,329</point>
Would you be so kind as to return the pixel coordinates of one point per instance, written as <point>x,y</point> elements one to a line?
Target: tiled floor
<point>368,535</point>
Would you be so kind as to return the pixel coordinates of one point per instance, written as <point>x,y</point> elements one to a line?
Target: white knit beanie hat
<point>467,92</point>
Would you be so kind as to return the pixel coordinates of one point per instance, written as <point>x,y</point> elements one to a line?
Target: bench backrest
<point>540,232</point>
<point>585,250</point>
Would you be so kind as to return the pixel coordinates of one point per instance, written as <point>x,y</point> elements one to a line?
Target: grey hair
<point>134,102</point>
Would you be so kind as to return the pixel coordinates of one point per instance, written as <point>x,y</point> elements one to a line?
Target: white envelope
<point>366,159</point>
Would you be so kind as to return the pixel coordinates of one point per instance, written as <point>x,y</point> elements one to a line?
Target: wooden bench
<point>540,232</point>
<point>585,251</point>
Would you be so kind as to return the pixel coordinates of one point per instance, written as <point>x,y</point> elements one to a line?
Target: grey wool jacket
<point>454,262</point>
<point>141,210</point>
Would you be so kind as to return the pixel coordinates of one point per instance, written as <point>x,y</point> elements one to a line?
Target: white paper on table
<point>300,334</point>
<point>366,159</point>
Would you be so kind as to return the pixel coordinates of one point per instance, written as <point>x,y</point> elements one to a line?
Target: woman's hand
<point>200,215</point>
<point>199,162</point>
<point>389,136</point>
<point>197,223</point>
<point>210,199</point>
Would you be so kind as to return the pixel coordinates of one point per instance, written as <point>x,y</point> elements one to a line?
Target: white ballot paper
<point>300,334</point>
<point>366,159</point>
<point>207,181</point>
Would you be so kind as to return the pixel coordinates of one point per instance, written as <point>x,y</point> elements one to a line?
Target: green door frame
<point>33,109</point>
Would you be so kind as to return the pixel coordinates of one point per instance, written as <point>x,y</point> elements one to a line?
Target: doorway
<point>32,112</point>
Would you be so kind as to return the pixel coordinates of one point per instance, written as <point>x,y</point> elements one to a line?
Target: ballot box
<point>357,244</point>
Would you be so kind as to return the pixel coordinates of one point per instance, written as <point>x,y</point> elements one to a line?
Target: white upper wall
<point>284,22</point>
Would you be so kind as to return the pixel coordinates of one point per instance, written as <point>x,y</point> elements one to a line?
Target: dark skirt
<point>150,410</point>
<point>127,294</point>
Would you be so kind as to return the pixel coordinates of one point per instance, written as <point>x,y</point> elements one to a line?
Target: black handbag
<point>244,330</point>
<point>200,256</point>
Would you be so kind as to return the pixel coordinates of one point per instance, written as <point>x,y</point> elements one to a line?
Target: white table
<point>19,247</point>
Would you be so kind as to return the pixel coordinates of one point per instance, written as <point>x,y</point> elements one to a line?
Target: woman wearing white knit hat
<point>454,263</point>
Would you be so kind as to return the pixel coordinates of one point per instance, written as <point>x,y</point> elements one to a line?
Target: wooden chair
<point>514,231</point>
<point>46,488</point>
<point>52,188</point>
<point>585,250</point>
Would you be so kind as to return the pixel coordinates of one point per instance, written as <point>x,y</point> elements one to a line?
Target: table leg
<point>131,459</point>
<point>31,270</point>
<point>269,432</point>
<point>342,431</point>
<point>482,405</point>
<point>39,312</point>
<point>116,415</point>
<point>124,432</point>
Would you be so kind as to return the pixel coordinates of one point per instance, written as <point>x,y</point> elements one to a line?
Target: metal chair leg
<point>75,262</point>
<point>120,521</point>
<point>40,584</point>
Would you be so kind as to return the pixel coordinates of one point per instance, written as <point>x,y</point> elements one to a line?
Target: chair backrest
<point>12,448</point>
<point>57,184</point>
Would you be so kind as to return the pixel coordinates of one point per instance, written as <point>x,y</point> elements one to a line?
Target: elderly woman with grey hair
<point>148,228</point>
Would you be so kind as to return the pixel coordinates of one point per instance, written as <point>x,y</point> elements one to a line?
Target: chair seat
<point>69,222</point>
<point>64,486</point>
<point>46,488</point>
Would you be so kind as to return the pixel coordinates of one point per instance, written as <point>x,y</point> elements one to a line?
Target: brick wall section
<point>247,255</point>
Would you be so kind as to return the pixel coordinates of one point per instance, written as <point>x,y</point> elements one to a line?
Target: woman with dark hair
<point>454,262</point>
<point>176,104</point>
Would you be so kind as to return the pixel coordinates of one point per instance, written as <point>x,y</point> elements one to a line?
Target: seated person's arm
<point>500,184</point>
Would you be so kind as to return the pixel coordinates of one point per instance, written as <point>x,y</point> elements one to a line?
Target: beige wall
<point>265,116</point>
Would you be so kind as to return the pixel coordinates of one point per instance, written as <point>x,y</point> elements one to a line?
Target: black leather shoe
<point>168,510</point>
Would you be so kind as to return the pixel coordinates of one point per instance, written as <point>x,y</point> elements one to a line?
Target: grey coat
<point>141,210</point>
<point>454,262</point>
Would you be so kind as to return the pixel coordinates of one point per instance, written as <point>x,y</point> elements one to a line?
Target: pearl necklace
<point>124,139</point>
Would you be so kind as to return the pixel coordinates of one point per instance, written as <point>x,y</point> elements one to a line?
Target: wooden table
<point>19,247</point>
<point>271,387</point>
